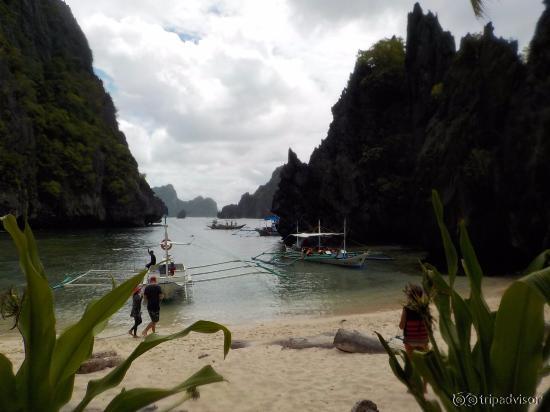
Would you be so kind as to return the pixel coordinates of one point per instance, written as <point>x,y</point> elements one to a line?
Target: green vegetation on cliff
<point>62,157</point>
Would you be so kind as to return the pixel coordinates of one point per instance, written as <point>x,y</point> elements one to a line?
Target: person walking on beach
<point>136,311</point>
<point>153,295</point>
<point>153,260</point>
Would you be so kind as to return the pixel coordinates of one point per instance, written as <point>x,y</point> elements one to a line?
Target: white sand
<point>263,376</point>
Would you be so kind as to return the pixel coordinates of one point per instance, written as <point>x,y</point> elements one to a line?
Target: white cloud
<point>211,94</point>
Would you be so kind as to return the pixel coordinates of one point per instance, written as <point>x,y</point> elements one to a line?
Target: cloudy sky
<point>212,93</point>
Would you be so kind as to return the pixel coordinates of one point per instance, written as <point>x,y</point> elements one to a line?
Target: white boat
<point>172,277</point>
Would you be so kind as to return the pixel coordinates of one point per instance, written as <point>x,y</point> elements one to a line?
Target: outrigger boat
<point>226,226</point>
<point>172,277</point>
<point>301,250</point>
<point>304,251</point>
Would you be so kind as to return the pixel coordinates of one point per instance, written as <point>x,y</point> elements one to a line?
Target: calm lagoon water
<point>299,289</point>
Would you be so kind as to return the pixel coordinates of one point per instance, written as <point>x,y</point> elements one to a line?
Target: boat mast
<point>297,233</point>
<point>166,239</point>
<point>344,233</point>
<point>319,230</point>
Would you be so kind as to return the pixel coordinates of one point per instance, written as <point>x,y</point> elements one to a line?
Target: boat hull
<point>172,286</point>
<point>267,232</point>
<point>223,227</point>
<point>171,289</point>
<point>351,261</point>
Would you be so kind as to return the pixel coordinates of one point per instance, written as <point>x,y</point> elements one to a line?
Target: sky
<point>212,93</point>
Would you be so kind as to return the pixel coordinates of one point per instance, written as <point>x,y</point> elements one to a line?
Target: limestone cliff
<point>63,159</point>
<point>473,124</point>
<point>197,207</point>
<point>256,205</point>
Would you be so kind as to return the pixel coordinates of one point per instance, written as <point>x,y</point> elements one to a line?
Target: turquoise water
<point>299,289</point>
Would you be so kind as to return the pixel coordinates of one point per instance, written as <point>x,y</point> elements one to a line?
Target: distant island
<point>63,160</point>
<point>256,205</point>
<point>198,207</point>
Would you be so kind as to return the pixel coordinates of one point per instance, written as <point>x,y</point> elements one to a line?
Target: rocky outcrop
<point>256,205</point>
<point>473,124</point>
<point>198,207</point>
<point>63,159</point>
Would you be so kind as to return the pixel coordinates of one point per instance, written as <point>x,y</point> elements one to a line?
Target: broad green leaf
<point>539,263</point>
<point>463,322</point>
<point>8,394</point>
<point>539,281</point>
<point>470,262</point>
<point>482,317</point>
<point>441,297</point>
<point>450,250</point>
<point>36,322</point>
<point>135,399</point>
<point>75,344</point>
<point>516,353</point>
<point>398,371</point>
<point>409,377</point>
<point>432,370</point>
<point>114,377</point>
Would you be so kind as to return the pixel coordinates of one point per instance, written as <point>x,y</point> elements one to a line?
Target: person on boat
<point>153,295</point>
<point>416,320</point>
<point>153,260</point>
<point>136,311</point>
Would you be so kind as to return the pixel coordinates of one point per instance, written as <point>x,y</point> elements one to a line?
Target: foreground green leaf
<point>135,399</point>
<point>113,378</point>
<point>36,321</point>
<point>517,345</point>
<point>8,393</point>
<point>75,344</point>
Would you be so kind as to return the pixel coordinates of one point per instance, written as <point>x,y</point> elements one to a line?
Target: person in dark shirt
<point>136,311</point>
<point>153,295</point>
<point>153,260</point>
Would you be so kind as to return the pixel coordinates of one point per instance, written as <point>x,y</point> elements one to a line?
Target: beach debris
<point>356,342</point>
<point>323,341</point>
<point>100,361</point>
<point>104,354</point>
<point>203,355</point>
<point>239,344</point>
<point>365,406</point>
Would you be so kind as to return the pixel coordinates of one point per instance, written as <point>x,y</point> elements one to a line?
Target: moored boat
<point>226,226</point>
<point>270,230</point>
<point>171,276</point>
<point>304,251</point>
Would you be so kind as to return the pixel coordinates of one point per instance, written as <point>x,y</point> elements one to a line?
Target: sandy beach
<point>263,376</point>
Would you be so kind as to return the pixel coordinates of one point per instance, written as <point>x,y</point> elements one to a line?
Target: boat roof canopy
<point>306,235</point>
